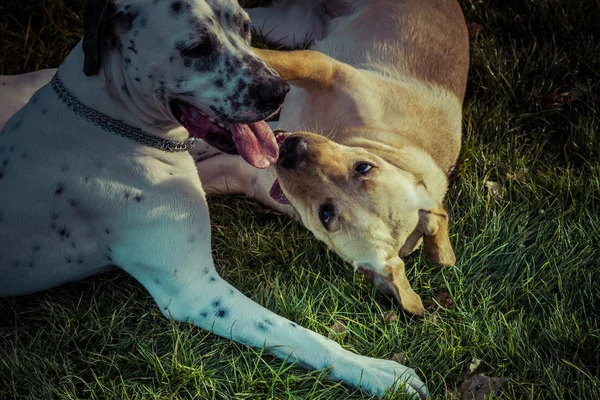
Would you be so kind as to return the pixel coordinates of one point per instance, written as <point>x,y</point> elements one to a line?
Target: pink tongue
<point>277,194</point>
<point>256,143</point>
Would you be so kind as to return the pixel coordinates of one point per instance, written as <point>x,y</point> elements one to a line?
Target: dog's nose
<point>292,150</point>
<point>271,95</point>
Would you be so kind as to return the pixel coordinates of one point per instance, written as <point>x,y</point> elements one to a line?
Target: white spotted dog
<point>95,171</point>
<point>383,92</point>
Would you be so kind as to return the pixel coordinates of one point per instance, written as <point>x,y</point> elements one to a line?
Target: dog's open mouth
<point>255,141</point>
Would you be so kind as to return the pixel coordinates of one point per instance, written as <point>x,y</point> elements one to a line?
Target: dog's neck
<point>111,93</point>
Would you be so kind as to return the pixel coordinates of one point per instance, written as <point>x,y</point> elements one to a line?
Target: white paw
<point>380,377</point>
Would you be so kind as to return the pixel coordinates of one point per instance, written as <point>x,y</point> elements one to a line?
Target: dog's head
<point>189,62</point>
<point>369,205</point>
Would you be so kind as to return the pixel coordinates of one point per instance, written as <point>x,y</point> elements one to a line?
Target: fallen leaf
<point>474,28</point>
<point>495,190</point>
<point>479,387</point>
<point>399,358</point>
<point>390,317</point>
<point>444,300</point>
<point>337,329</point>
<point>519,175</point>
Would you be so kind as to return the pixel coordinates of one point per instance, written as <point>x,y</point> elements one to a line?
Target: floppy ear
<point>95,17</point>
<point>433,224</point>
<point>393,282</point>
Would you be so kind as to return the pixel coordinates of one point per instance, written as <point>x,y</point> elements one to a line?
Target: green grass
<point>526,287</point>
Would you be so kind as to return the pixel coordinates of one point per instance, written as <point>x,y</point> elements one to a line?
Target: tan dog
<point>385,90</point>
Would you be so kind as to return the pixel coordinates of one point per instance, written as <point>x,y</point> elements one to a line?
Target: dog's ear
<point>96,15</point>
<point>392,281</point>
<point>433,224</point>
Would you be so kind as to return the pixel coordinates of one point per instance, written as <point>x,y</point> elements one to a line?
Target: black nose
<point>292,150</point>
<point>271,95</point>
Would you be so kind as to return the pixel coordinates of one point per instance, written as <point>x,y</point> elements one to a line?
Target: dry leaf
<point>474,28</point>
<point>444,300</point>
<point>495,190</point>
<point>559,97</point>
<point>399,358</point>
<point>479,387</point>
<point>390,317</point>
<point>519,175</point>
<point>337,329</point>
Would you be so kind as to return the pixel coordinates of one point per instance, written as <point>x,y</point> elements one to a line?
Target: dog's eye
<point>326,214</point>
<point>246,27</point>
<point>363,168</point>
<point>199,50</point>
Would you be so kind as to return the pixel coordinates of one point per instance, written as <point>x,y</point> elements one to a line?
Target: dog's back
<point>424,39</point>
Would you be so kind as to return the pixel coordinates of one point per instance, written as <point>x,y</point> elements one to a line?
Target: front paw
<point>380,377</point>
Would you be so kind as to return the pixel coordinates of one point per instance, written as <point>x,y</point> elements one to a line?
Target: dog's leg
<point>295,24</point>
<point>305,68</point>
<point>228,174</point>
<point>191,291</point>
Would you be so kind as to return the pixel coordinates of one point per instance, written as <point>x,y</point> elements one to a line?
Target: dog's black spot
<point>68,259</point>
<point>44,111</point>
<point>74,245</point>
<point>30,264</point>
<point>150,76</point>
<point>1,174</point>
<point>136,32</point>
<point>261,326</point>
<point>53,216</point>
<point>138,198</point>
<point>171,59</point>
<point>64,168</point>
<point>180,45</point>
<point>109,249</point>
<point>241,85</point>
<point>107,231</point>
<point>127,194</point>
<point>219,82</point>
<point>157,282</point>
<point>206,271</point>
<point>269,322</point>
<point>11,149</point>
<point>187,62</point>
<point>34,100</point>
<point>64,233</point>
<point>5,162</point>
<point>80,260</point>
<point>222,313</point>
<point>212,279</point>
<point>132,49</point>
<point>109,258</point>
<point>176,7</point>
<point>127,61</point>
<point>16,263</point>
<point>143,22</point>
<point>59,189</point>
<point>126,90</point>
<point>216,302</point>
<point>191,238</point>
<point>23,155</point>
<point>175,271</point>
<point>204,314</point>
<point>293,325</point>
<point>36,248</point>
<point>86,179</point>
<point>73,202</point>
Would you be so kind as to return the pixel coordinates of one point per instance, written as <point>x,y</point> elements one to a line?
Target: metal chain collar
<point>114,126</point>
